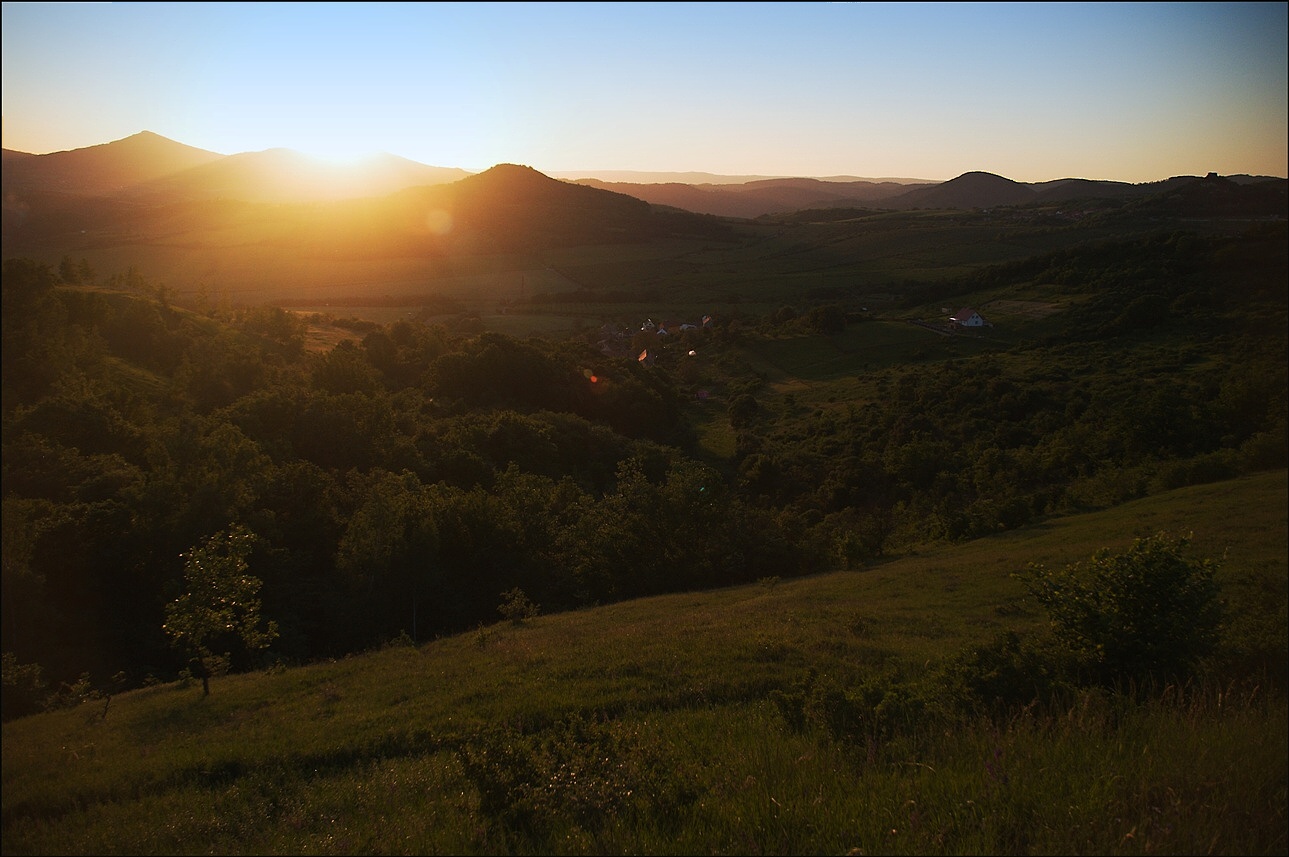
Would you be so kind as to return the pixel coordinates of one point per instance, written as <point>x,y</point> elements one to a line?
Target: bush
<point>1004,675</point>
<point>24,688</point>
<point>1147,613</point>
<point>516,607</point>
<point>881,708</point>
<point>577,775</point>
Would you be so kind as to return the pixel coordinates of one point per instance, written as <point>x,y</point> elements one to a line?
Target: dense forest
<point>402,482</point>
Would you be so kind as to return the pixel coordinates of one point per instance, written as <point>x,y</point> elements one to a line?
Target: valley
<point>511,515</point>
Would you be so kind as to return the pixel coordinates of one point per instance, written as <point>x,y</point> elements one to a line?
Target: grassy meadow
<point>660,726</point>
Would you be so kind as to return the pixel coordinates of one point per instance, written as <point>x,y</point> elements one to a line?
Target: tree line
<point>394,485</point>
<point>407,482</point>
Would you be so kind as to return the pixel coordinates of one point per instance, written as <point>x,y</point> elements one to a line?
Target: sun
<point>339,153</point>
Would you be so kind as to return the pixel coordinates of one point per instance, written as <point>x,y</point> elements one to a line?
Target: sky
<point>1129,92</point>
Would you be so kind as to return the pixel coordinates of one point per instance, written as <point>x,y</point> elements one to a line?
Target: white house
<point>967,318</point>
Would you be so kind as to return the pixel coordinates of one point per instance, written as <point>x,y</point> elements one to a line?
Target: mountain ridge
<point>148,163</point>
<point>147,189</point>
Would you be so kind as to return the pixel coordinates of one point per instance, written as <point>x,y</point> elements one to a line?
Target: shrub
<point>516,607</point>
<point>24,688</point>
<point>1006,674</point>
<point>577,774</point>
<point>1149,612</point>
<point>881,708</point>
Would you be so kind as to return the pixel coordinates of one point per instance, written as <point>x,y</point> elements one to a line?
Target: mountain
<point>508,208</point>
<point>103,169</point>
<point>1215,196</point>
<point>147,166</point>
<point>723,201</point>
<point>195,215</point>
<point>972,190</point>
<point>986,190</point>
<point>284,175</point>
<point>512,207</point>
<point>11,156</point>
<point>643,177</point>
<point>762,196</point>
<point>969,190</point>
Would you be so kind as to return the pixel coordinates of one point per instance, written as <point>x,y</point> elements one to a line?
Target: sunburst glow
<point>913,90</point>
<point>339,153</point>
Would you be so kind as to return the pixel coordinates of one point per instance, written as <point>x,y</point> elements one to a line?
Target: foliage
<point>220,605</point>
<point>647,727</point>
<point>1149,612</point>
<point>587,774</point>
<point>24,687</point>
<point>516,607</point>
<point>1007,674</point>
<point>401,482</point>
<point>874,711</point>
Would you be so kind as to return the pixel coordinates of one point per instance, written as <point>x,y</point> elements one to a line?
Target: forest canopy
<point>401,482</point>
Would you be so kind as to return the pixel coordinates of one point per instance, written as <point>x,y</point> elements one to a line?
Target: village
<point>648,341</point>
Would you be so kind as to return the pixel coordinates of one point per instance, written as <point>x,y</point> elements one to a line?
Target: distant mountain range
<point>147,165</point>
<point>973,190</point>
<point>147,189</point>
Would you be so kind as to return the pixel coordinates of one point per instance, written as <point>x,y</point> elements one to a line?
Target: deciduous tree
<point>221,604</point>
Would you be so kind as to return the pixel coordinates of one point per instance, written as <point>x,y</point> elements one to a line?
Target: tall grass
<point>651,727</point>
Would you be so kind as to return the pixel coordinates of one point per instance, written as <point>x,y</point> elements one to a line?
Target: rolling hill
<point>276,225</point>
<point>104,169</point>
<point>650,727</point>
<point>762,196</point>
<point>279,198</point>
<point>969,190</point>
<point>287,176</point>
<point>781,560</point>
<point>151,166</point>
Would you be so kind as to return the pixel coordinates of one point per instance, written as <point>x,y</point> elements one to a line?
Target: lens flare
<point>439,222</point>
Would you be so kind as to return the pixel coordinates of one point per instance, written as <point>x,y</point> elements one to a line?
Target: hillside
<point>285,176</point>
<point>758,197</point>
<point>762,443</point>
<point>969,190</point>
<point>662,726</point>
<point>104,169</point>
<point>274,226</point>
<point>745,561</point>
<point>167,227</point>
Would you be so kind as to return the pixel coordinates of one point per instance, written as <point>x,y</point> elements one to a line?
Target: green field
<point>649,727</point>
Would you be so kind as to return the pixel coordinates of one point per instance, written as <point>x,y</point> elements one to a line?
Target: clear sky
<point>1122,91</point>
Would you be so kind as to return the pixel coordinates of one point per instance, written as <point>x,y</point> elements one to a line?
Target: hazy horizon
<point>928,91</point>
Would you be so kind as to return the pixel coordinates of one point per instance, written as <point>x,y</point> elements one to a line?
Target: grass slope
<point>647,727</point>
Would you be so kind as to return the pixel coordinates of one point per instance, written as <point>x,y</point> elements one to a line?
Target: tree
<point>221,605</point>
<point>516,607</point>
<point>389,549</point>
<point>1149,612</point>
<point>829,319</point>
<point>68,272</point>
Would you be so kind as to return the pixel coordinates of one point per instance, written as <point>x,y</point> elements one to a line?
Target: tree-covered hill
<point>403,480</point>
